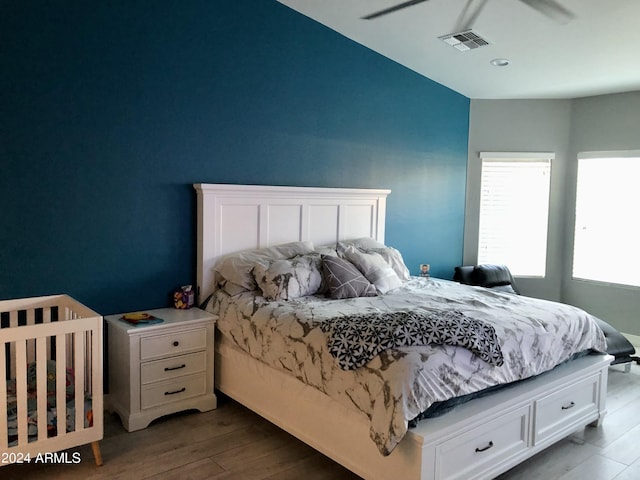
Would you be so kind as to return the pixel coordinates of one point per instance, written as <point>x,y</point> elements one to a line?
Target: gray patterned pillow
<point>287,279</point>
<point>344,279</point>
<point>374,267</point>
<point>234,271</point>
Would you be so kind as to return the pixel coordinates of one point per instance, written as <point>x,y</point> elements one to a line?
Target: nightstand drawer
<point>157,346</point>
<point>162,393</point>
<point>173,367</point>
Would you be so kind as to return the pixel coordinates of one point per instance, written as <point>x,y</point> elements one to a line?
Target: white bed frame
<point>480,439</point>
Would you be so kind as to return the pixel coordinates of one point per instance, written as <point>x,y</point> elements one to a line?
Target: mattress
<point>400,383</point>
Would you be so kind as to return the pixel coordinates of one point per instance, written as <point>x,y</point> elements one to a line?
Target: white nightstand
<point>160,368</point>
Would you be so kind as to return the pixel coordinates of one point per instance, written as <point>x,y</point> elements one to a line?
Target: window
<point>514,211</point>
<point>606,229</point>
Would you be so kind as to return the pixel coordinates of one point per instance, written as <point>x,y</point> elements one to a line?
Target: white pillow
<point>326,250</point>
<point>234,271</point>
<point>287,279</point>
<point>394,258</point>
<point>360,243</point>
<point>374,268</point>
<point>368,245</point>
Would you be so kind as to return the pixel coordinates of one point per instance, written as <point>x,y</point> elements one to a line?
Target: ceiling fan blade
<point>395,8</point>
<point>551,9</point>
<point>468,16</point>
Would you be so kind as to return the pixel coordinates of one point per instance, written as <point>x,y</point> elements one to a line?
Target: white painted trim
<point>212,231</point>
<point>609,154</point>
<point>517,155</point>
<point>280,191</point>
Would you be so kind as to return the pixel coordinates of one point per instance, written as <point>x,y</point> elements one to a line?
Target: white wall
<point>566,127</point>
<point>608,122</point>
<point>521,126</point>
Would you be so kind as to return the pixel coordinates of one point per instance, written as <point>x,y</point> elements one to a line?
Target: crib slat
<point>21,390</point>
<point>31,320</point>
<point>13,318</point>
<point>61,389</point>
<point>89,376</point>
<point>13,322</point>
<point>4,440</point>
<point>79,361</point>
<point>41,382</point>
<point>97,401</point>
<point>69,350</point>
<point>46,318</point>
<point>46,315</point>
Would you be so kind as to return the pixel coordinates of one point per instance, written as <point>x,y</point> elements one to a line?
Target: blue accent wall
<point>111,110</point>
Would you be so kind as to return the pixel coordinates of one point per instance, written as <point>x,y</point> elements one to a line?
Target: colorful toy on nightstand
<point>183,298</point>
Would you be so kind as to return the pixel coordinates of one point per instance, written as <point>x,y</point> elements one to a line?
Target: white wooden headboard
<point>238,217</point>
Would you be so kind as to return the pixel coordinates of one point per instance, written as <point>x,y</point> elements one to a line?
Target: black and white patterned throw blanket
<point>355,339</point>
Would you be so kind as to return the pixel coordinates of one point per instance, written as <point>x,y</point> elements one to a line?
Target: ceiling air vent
<point>463,41</point>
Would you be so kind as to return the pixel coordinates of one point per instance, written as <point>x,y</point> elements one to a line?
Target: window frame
<point>542,157</point>
<point>598,155</point>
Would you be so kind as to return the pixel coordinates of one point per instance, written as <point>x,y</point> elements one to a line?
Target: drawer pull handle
<point>168,369</point>
<point>484,449</point>
<point>176,343</point>
<point>176,391</point>
<point>567,407</point>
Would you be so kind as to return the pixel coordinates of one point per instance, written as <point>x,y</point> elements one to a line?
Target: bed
<point>359,413</point>
<point>51,362</point>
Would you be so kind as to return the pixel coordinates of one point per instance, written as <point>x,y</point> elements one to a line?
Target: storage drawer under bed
<point>470,454</point>
<point>560,411</point>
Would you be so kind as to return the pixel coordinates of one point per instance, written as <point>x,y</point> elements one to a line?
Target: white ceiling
<point>597,52</point>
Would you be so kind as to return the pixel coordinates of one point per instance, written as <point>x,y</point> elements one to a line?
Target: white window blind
<point>606,229</point>
<point>514,211</point>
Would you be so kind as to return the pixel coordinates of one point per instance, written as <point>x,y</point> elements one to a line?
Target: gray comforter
<point>401,382</point>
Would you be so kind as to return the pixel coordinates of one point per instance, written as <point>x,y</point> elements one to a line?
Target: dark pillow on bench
<point>462,274</point>
<point>491,275</point>
<point>497,277</point>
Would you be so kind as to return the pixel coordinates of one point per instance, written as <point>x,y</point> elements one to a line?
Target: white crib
<point>50,361</point>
